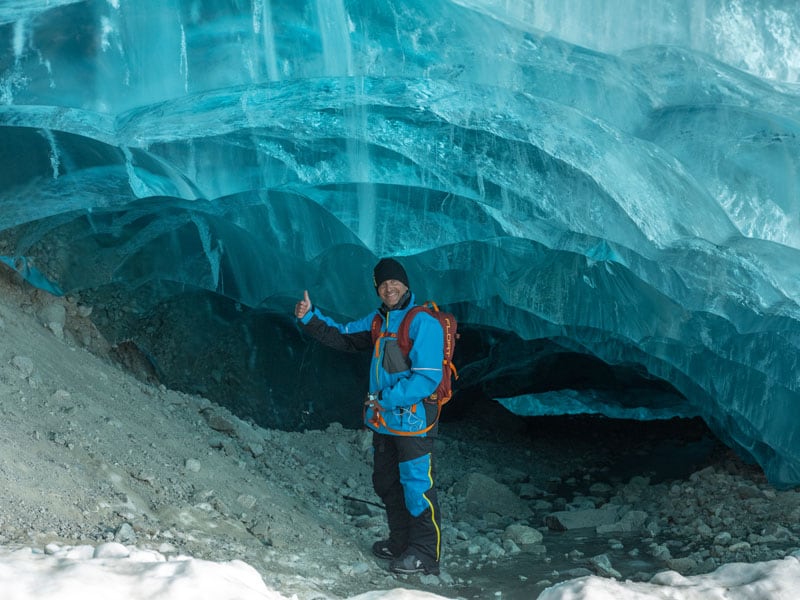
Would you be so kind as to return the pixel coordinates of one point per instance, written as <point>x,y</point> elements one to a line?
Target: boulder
<point>479,494</point>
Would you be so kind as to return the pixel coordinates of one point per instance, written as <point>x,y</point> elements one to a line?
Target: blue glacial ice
<point>616,181</point>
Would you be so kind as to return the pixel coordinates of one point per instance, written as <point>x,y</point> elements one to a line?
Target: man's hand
<point>302,306</point>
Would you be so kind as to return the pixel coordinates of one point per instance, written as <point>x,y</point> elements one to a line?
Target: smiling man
<point>397,411</point>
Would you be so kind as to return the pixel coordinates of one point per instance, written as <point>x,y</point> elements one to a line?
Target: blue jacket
<point>403,382</point>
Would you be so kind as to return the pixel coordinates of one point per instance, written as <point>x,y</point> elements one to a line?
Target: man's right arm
<point>351,337</point>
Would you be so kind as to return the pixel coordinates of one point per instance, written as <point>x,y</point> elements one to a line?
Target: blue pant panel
<point>415,476</point>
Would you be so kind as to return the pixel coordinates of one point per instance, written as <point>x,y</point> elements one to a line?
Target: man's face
<point>391,291</point>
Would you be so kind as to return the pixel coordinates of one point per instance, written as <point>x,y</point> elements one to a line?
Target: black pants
<point>402,476</point>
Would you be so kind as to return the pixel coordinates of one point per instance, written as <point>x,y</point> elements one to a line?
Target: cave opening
<point>258,364</point>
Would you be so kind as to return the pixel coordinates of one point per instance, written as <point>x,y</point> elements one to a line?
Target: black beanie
<point>389,268</point>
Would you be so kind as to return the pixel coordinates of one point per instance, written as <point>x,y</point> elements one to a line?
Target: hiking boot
<point>385,549</point>
<point>409,564</point>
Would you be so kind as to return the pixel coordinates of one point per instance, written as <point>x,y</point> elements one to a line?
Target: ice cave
<point>606,194</point>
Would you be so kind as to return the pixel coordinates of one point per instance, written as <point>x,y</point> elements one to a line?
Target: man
<point>397,413</point>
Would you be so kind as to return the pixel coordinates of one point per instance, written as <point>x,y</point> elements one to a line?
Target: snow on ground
<point>115,487</point>
<point>111,571</point>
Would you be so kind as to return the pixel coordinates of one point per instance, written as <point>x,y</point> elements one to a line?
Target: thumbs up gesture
<point>302,306</point>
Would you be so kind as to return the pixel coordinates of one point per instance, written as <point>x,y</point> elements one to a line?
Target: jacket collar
<point>406,301</point>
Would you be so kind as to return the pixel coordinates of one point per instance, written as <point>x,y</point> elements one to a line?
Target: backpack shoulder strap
<point>375,328</point>
<point>403,340</point>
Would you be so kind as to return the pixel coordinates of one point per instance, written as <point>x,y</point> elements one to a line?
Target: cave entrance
<point>598,421</point>
<point>585,449</point>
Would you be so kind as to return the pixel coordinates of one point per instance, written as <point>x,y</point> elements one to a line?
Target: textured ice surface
<point>629,191</point>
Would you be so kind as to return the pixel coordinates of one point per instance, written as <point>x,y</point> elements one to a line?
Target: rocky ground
<point>91,453</point>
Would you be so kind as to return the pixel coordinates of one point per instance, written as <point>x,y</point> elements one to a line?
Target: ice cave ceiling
<point>605,193</point>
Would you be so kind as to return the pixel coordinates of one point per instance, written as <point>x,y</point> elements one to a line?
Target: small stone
<point>52,549</point>
<point>54,316</point>
<point>24,365</point>
<point>125,534</point>
<point>256,450</point>
<point>511,547</point>
<point>723,539</point>
<point>220,423</point>
<point>247,501</point>
<point>739,546</point>
<point>600,488</point>
<point>111,550</point>
<point>60,396</point>
<point>145,477</point>
<point>682,565</point>
<point>602,565</point>
<point>522,535</point>
<point>566,520</point>
<point>192,465</point>
<point>528,491</point>
<point>661,552</point>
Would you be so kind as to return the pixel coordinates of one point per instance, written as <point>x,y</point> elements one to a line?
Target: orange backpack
<point>444,391</point>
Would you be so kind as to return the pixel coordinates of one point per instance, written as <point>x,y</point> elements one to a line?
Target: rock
<point>630,521</point>
<point>522,535</point>
<point>514,475</point>
<point>53,316</point>
<point>778,532</point>
<point>739,547</point>
<point>125,534</point>
<point>682,565</point>
<point>24,365</point>
<point>566,520</point>
<point>247,501</point>
<point>111,550</point>
<point>748,491</point>
<point>220,423</point>
<point>528,491</point>
<point>60,396</point>
<point>705,473</point>
<point>144,477</point>
<point>263,531</point>
<point>581,503</point>
<point>255,449</point>
<point>192,465</point>
<point>494,551</point>
<point>343,450</point>
<point>602,565</point>
<point>600,488</point>
<point>661,552</point>
<point>511,547</point>
<point>480,494</point>
<point>444,577</point>
<point>578,572</point>
<point>723,539</point>
<point>429,580</point>
<point>704,530</point>
<point>52,549</point>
